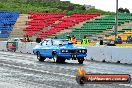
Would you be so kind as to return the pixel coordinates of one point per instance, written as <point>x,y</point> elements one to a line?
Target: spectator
<point>55,37</point>
<point>74,40</point>
<point>85,41</point>
<point>23,40</point>
<point>38,40</point>
<point>118,40</point>
<point>101,42</point>
<point>28,39</point>
<point>68,37</point>
<point>129,39</point>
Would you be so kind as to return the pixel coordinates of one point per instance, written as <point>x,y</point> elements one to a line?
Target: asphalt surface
<point>25,71</point>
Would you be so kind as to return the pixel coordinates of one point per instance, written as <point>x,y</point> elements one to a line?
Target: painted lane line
<point>31,69</point>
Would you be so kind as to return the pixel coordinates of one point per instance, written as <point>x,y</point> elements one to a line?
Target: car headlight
<point>82,51</point>
<point>64,51</point>
<point>85,51</point>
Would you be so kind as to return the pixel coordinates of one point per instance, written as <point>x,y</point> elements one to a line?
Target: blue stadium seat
<point>7,21</point>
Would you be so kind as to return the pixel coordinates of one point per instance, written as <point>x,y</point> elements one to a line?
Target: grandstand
<point>7,20</point>
<point>45,25</point>
<point>124,32</point>
<point>19,26</point>
<point>126,28</point>
<point>103,26</point>
<point>40,21</point>
<point>123,36</point>
<point>68,22</point>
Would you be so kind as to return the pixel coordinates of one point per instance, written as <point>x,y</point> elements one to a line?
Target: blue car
<point>59,50</point>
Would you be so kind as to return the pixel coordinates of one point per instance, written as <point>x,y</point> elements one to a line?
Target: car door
<point>46,48</point>
<point>43,48</point>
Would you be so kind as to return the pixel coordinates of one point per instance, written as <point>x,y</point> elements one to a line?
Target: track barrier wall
<point>3,46</point>
<point>97,53</point>
<point>109,54</point>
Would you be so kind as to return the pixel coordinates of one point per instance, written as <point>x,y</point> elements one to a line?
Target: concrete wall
<point>97,53</point>
<point>110,54</point>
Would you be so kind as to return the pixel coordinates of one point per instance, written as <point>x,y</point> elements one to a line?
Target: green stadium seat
<point>99,25</point>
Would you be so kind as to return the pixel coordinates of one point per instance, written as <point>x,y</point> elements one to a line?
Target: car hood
<point>71,46</point>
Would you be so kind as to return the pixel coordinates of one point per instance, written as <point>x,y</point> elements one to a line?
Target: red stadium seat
<point>68,22</point>
<point>41,20</point>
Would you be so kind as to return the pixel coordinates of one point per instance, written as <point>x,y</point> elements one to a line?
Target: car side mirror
<point>60,44</point>
<point>70,43</point>
<point>41,43</point>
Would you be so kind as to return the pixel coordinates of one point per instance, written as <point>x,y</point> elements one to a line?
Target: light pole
<point>116,19</point>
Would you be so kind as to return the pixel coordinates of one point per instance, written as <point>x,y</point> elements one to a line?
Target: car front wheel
<point>80,60</point>
<point>58,59</point>
<point>39,57</point>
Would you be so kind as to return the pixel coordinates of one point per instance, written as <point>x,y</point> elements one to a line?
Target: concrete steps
<point>19,26</point>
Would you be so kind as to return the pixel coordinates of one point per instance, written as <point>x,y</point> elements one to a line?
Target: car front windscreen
<point>62,42</point>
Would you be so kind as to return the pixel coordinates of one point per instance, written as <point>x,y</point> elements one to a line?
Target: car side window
<point>48,43</point>
<point>44,43</point>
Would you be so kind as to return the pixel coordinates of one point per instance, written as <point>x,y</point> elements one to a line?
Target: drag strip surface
<point>25,71</point>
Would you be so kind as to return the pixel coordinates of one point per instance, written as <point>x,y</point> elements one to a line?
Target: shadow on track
<point>60,64</point>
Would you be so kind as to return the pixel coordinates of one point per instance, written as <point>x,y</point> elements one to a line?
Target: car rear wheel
<point>39,57</point>
<point>80,60</point>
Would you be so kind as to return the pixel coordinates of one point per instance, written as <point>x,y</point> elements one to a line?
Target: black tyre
<point>11,50</point>
<point>63,60</point>
<point>14,50</point>
<point>80,60</point>
<point>58,59</point>
<point>39,57</point>
<point>103,60</point>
